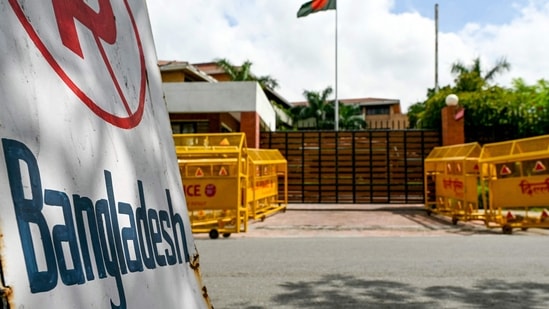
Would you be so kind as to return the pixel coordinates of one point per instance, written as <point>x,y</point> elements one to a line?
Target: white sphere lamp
<point>452,100</point>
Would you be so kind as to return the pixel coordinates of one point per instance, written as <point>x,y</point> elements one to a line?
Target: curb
<point>355,207</point>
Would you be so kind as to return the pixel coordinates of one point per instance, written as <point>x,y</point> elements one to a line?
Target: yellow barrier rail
<point>516,178</point>
<point>214,172</point>
<point>268,169</point>
<point>452,180</point>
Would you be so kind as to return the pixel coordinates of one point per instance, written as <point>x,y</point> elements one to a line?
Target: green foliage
<point>430,116</point>
<point>530,109</point>
<point>519,111</point>
<point>317,107</point>
<point>516,112</point>
<point>323,112</point>
<point>471,79</point>
<point>244,73</point>
<point>414,115</point>
<point>350,117</point>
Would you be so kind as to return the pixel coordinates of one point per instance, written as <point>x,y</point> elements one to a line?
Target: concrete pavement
<point>355,220</point>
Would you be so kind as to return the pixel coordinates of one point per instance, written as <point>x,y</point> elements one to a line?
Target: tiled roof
<point>172,65</point>
<point>359,101</point>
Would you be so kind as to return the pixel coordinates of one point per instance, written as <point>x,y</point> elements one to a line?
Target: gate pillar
<point>453,129</point>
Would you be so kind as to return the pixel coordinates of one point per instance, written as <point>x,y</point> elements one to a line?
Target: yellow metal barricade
<point>516,178</point>
<point>452,182</point>
<point>214,171</point>
<point>267,170</point>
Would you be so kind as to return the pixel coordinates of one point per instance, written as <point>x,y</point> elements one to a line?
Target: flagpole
<point>314,6</point>
<point>336,124</point>
<point>436,47</point>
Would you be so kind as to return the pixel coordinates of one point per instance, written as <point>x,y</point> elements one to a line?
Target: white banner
<point>92,208</point>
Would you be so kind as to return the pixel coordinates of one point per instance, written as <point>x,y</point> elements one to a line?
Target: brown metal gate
<point>360,167</point>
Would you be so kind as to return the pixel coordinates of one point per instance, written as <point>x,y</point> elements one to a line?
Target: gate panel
<point>375,166</point>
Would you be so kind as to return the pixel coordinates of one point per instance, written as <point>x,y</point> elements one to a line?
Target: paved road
<point>478,271</point>
<point>374,256</point>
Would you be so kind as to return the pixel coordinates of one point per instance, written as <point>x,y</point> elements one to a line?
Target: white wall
<point>230,97</point>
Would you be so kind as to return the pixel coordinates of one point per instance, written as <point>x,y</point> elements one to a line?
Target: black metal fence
<point>374,166</point>
<point>508,124</point>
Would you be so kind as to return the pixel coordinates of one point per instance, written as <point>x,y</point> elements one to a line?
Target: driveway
<point>352,220</point>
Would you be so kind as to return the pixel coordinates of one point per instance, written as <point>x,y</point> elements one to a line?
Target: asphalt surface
<point>374,256</point>
<point>470,272</point>
<point>348,220</point>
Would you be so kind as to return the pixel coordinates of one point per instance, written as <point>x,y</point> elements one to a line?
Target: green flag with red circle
<point>316,6</point>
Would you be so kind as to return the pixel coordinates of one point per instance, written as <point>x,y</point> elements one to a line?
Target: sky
<point>385,48</point>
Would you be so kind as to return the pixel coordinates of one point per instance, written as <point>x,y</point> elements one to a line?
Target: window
<point>183,127</point>
<point>377,110</point>
<point>201,126</point>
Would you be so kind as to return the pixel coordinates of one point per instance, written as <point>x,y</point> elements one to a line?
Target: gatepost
<point>453,129</point>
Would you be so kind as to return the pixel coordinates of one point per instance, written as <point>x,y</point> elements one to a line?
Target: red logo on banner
<point>102,25</point>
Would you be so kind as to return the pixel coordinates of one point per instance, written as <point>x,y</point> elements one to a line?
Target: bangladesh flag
<point>316,6</point>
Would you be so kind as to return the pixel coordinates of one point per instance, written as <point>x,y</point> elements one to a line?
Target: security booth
<point>452,182</point>
<point>268,175</point>
<point>516,178</point>
<point>214,172</point>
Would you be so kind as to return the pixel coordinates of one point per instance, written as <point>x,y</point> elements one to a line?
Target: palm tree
<point>267,84</point>
<point>470,79</point>
<point>317,107</point>
<point>350,117</point>
<point>244,73</point>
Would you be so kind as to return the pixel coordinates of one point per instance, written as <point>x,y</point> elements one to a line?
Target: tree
<point>350,117</point>
<point>243,73</point>
<point>476,94</point>
<point>415,112</point>
<point>470,78</point>
<point>530,108</point>
<point>426,115</point>
<point>317,107</point>
<point>322,111</point>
